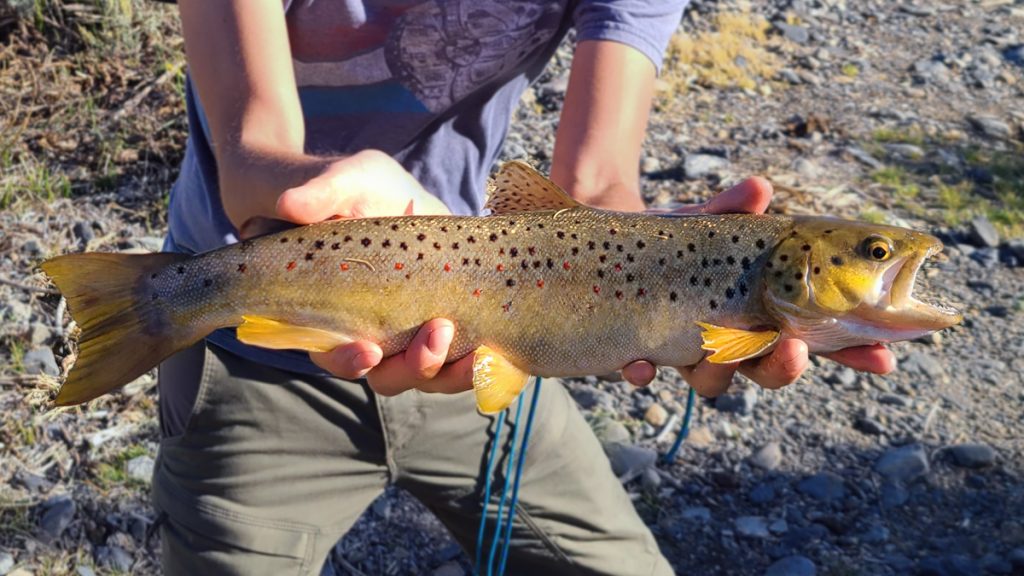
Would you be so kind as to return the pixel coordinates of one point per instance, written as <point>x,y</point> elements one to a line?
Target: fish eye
<point>877,248</point>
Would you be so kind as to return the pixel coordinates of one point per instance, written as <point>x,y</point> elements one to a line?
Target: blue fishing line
<point>519,474</point>
<point>508,483</point>
<point>487,489</point>
<point>670,457</point>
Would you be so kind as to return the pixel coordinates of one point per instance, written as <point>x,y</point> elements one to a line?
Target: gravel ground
<point>898,112</point>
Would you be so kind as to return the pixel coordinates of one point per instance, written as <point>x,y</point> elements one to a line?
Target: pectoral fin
<point>267,333</point>
<point>734,345</point>
<point>496,381</point>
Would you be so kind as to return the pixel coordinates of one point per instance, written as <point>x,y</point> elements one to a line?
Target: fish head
<point>840,283</point>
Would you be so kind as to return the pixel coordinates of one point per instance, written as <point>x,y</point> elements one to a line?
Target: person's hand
<point>789,358</point>
<point>371,183</point>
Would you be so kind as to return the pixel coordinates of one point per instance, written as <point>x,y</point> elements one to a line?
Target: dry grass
<point>734,54</point>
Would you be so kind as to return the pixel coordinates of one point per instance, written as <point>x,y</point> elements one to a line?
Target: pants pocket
<point>183,380</point>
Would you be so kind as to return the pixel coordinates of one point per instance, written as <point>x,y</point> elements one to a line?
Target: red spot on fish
<point>618,294</point>
<point>344,266</point>
<point>640,292</point>
<point>531,250</point>
<point>597,289</point>
<point>447,267</point>
<point>398,265</point>
<point>501,267</point>
<point>505,307</point>
<point>565,265</point>
<point>476,292</point>
<point>291,265</point>
<point>618,267</point>
<point>540,283</point>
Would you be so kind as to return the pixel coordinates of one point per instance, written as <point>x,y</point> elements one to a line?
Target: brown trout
<point>542,286</point>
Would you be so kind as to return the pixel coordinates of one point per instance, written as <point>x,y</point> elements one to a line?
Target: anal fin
<point>268,333</point>
<point>496,381</point>
<point>734,345</point>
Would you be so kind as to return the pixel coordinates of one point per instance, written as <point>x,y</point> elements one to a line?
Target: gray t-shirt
<point>433,83</point>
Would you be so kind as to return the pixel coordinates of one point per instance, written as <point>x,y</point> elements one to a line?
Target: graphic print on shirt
<point>415,57</point>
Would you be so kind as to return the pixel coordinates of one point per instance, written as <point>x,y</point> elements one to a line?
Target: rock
<point>987,257</point>
<point>31,482</point>
<point>901,150</point>
<point>14,317</point>
<point>824,487</point>
<point>21,572</point>
<point>114,557</point>
<point>793,33</point>
<point>85,571</point>
<point>1015,54</point>
<point>792,566</point>
<point>915,10</point>
<point>768,457</point>
<point>875,535</point>
<point>892,495</point>
<point>762,494</point>
<point>697,166</point>
<point>97,439</point>
<point>140,468</point>
<point>40,361</point>
<point>924,363</point>
<point>895,400</point>
<point>656,415</point>
<point>951,565</point>
<point>629,461</point>
<point>83,232</point>
<point>972,455</point>
<point>150,243</point>
<point>990,126</point>
<point>779,526</point>
<point>450,568</point>
<point>752,527</point>
<point>869,426</point>
<point>610,431</point>
<point>929,71</point>
<point>650,479</point>
<point>696,514</point>
<point>790,76</point>
<point>993,564</point>
<point>806,168</point>
<point>903,464</point>
<point>650,165</point>
<point>6,563</point>
<point>742,403</point>
<point>982,233</point>
<point>862,156</point>
<point>32,248</point>
<point>1016,557</point>
<point>844,376</point>
<point>60,511</point>
<point>589,397</point>
<point>39,333</point>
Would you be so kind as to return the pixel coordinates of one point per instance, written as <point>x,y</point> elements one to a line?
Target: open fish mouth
<point>897,305</point>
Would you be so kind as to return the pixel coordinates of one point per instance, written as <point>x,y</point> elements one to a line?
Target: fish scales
<point>560,293</point>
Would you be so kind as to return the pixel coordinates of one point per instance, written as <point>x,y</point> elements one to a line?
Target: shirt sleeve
<point>646,25</point>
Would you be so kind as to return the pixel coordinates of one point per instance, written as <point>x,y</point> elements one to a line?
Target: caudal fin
<point>124,333</point>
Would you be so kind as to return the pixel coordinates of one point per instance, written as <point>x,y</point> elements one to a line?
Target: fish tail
<point>124,332</point>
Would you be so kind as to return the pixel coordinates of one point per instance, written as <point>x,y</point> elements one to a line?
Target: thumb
<point>314,201</point>
<point>750,196</point>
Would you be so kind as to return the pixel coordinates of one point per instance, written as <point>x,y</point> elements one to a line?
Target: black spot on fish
<point>837,260</point>
<point>707,282</point>
<point>798,276</point>
<point>783,258</point>
<point>540,225</point>
<point>419,256</point>
<point>679,253</point>
<point>661,261</point>
<point>691,247</point>
<point>778,273</point>
<point>729,293</point>
<point>513,252</point>
<point>607,245</point>
<point>735,239</point>
<point>704,263</point>
<point>284,240</point>
<point>828,231</point>
<point>536,263</point>
<point>717,262</point>
<point>613,231</point>
<point>575,251</point>
<point>319,244</point>
<point>560,234</point>
<point>493,237</point>
<point>403,245</point>
<point>817,270</point>
<point>600,273</point>
<point>745,263</point>
<point>347,239</point>
<point>207,283</point>
<point>743,288</point>
<point>760,243</point>
<point>153,276</point>
<point>421,236</point>
<point>574,236</point>
<point>591,245</point>
<point>444,228</point>
<point>524,265</point>
<point>788,287</point>
<point>730,260</point>
<point>711,234</point>
<point>309,256</point>
<point>618,247</point>
<point>551,263</point>
<point>334,232</point>
<point>471,240</point>
<point>336,246</point>
<point>629,277</point>
<point>376,222</point>
<point>301,240</point>
<point>455,246</point>
<point>713,304</point>
<point>242,267</point>
<point>246,244</point>
<point>769,264</point>
<point>181,269</point>
<point>366,242</point>
<point>640,244</point>
<point>386,243</point>
<point>476,261</point>
<point>465,261</point>
<point>693,280</point>
<point>629,258</point>
<point>510,282</point>
<point>437,245</point>
<point>806,247</point>
<point>673,296</point>
<point>504,232</point>
<point>603,258</point>
<point>394,227</point>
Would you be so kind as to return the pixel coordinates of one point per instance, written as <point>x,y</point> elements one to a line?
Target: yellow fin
<point>518,187</point>
<point>496,381</point>
<point>267,333</point>
<point>734,345</point>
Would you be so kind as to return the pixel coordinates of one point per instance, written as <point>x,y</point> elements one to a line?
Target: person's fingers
<point>709,380</point>
<point>427,351</point>
<point>750,196</point>
<point>779,368</point>
<point>875,358</point>
<point>639,373</point>
<point>315,201</point>
<point>392,376</point>
<point>350,361</point>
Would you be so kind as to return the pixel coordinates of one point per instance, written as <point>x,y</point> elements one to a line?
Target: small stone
<point>1015,54</point>
<point>824,487</point>
<point>150,243</point>
<point>650,165</point>
<point>993,564</point>
<point>32,248</point>
<point>869,426</point>
<point>60,511</point>
<point>923,363</point>
<point>83,232</point>
<point>656,415</point>
<point>85,571</point>
<point>990,126</point>
<point>792,566</point>
<point>862,156</point>
<point>21,572</point>
<point>450,568</point>
<point>40,361</point>
<point>875,535</point>
<point>15,312</point>
<point>779,526</point>
<point>915,10</point>
<point>752,527</point>
<point>895,400</point>
<point>908,151</point>
<point>697,166</point>
<point>893,495</point>
<point>929,71</point>
<point>844,376</point>
<point>610,431</point>
<point>114,557</point>
<point>903,464</point>
<point>982,233</point>
<point>6,563</point>
<point>768,457</point>
<point>39,333</point>
<point>650,479</point>
<point>742,403</point>
<point>987,257</point>
<point>629,461</point>
<point>762,494</point>
<point>789,76</point>
<point>696,514</point>
<point>589,397</point>
<point>140,468</point>
<point>973,455</point>
<point>793,33</point>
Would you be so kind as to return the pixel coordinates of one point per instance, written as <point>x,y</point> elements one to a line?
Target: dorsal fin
<point>520,188</point>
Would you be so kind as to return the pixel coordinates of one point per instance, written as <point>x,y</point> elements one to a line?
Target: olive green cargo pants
<point>274,467</point>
